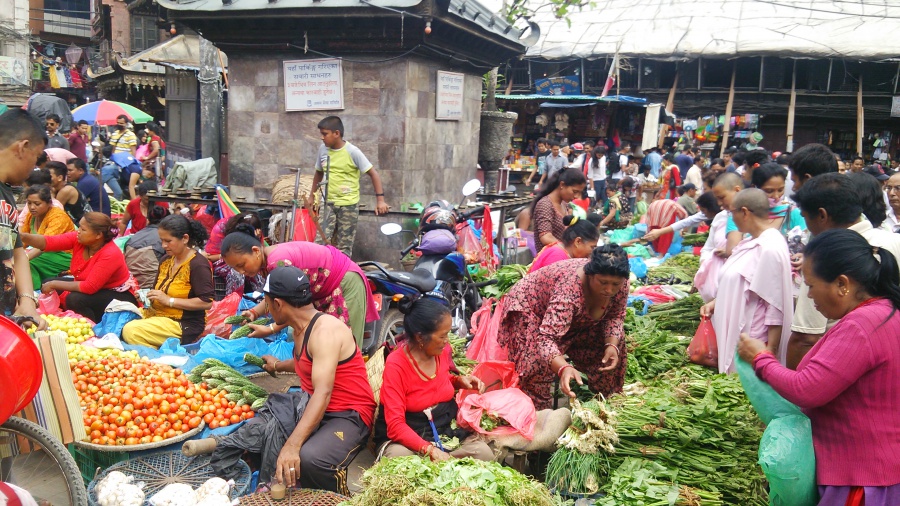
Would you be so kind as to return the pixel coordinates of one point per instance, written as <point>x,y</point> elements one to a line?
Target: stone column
<point>493,144</point>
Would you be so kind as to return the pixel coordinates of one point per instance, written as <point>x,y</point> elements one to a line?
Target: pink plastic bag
<point>511,404</point>
<point>48,303</point>
<point>215,319</point>
<point>704,349</point>
<point>485,327</point>
<point>654,293</point>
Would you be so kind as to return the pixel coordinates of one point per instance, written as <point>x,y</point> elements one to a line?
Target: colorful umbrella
<point>105,112</point>
<point>226,206</point>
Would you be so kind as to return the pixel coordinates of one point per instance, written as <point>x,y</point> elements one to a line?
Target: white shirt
<point>695,176</point>
<point>598,173</point>
<point>623,163</point>
<point>891,224</point>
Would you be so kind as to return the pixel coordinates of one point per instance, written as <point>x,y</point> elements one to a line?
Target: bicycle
<point>30,456</point>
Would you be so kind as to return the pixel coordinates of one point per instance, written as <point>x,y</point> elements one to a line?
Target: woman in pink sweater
<point>849,383</point>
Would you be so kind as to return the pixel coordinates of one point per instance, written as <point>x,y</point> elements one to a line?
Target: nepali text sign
<point>449,97</point>
<point>313,85</point>
<point>568,85</point>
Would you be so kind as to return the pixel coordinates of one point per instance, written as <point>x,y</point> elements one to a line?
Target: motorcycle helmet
<point>438,214</point>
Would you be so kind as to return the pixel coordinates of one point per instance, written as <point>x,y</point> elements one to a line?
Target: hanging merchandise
<point>67,75</point>
<point>36,71</point>
<point>54,77</point>
<point>75,77</point>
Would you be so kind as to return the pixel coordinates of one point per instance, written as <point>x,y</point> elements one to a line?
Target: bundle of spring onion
<point>688,261</point>
<point>694,239</point>
<point>681,317</point>
<point>580,459</point>
<point>413,481</point>
<point>697,424</point>
<point>651,351</point>
<point>463,363</point>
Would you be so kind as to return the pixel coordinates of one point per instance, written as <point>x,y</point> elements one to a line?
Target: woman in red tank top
<point>339,416</point>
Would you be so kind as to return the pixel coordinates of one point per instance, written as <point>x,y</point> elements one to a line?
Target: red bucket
<point>21,369</point>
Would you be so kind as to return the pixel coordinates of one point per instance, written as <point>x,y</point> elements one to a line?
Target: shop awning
<point>565,98</point>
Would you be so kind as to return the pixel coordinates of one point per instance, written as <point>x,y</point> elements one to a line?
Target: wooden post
<point>726,130</point>
<point>210,104</point>
<point>670,104</point>
<point>791,110</point>
<point>860,122</point>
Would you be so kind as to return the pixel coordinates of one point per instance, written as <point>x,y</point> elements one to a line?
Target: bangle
<point>379,195</point>
<point>272,327</point>
<point>29,296</point>
<point>563,368</point>
<point>254,313</point>
<point>615,347</point>
<point>171,301</point>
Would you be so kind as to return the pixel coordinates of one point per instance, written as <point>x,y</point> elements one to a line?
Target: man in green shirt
<point>344,162</point>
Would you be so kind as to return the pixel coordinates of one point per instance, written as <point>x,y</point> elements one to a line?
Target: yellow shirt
<point>346,165</point>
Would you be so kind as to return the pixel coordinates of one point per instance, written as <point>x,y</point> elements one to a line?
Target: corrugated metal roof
<point>253,5</point>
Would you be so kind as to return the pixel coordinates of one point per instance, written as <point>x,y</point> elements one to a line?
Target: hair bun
<point>570,220</point>
<point>245,228</point>
<point>405,305</point>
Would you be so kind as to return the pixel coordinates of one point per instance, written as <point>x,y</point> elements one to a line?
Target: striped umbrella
<point>226,206</point>
<point>105,112</point>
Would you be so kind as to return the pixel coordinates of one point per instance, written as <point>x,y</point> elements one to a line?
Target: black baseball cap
<point>877,172</point>
<point>287,281</point>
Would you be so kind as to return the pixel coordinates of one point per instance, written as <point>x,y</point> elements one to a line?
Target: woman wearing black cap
<point>341,407</point>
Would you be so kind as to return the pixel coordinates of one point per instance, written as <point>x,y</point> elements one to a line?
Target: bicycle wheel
<point>39,463</point>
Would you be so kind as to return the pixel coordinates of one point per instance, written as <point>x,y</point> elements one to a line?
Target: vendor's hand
<point>610,359</point>
<point>159,296</point>
<point>260,331</point>
<point>568,375</point>
<point>437,455</point>
<point>248,315</point>
<point>30,311</point>
<point>311,202</point>
<point>707,310</point>
<point>48,287</point>
<point>381,206</point>
<point>796,261</point>
<point>653,235</point>
<point>270,363</point>
<point>287,468</point>
<point>749,348</point>
<point>721,253</point>
<point>471,383</point>
<point>528,181</point>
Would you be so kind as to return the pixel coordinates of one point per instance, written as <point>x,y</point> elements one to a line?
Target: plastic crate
<point>89,460</point>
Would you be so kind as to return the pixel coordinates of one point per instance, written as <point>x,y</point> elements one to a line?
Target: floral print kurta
<point>545,315</point>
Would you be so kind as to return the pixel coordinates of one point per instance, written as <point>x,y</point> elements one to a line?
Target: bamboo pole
<point>670,104</point>
<point>726,130</point>
<point>791,111</point>
<point>860,122</point>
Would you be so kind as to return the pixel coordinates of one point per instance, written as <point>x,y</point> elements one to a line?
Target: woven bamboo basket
<point>283,191</point>
<point>300,497</point>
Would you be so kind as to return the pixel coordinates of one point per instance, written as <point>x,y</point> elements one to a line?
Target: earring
<point>844,291</point>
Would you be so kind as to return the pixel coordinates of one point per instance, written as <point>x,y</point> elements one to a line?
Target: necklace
<point>415,364</point>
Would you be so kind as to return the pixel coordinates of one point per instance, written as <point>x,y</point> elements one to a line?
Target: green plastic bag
<point>788,460</point>
<point>621,235</point>
<point>766,401</point>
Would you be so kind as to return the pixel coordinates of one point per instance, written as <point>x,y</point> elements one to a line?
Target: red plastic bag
<point>215,319</point>
<point>485,327</point>
<point>304,226</point>
<point>511,404</point>
<point>48,303</point>
<point>703,349</point>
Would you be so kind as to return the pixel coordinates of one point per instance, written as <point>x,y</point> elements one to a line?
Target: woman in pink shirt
<point>848,383</point>
<point>578,240</point>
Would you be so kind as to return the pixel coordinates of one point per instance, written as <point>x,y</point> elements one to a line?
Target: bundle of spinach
<point>639,481</point>
<point>506,276</point>
<point>413,481</point>
<point>463,363</point>
<point>490,421</point>
<point>651,351</point>
<point>681,316</point>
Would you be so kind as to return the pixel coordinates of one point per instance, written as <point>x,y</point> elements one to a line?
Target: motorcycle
<point>442,276</point>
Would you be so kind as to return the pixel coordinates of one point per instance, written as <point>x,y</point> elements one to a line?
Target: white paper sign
<point>313,85</point>
<point>449,96</point>
<point>895,107</point>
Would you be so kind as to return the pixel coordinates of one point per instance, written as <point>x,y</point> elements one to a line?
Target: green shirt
<point>344,169</point>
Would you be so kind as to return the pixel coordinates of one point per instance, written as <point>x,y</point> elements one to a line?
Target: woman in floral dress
<point>338,285</point>
<point>573,308</point>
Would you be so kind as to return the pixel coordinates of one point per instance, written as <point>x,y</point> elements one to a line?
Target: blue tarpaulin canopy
<point>583,98</point>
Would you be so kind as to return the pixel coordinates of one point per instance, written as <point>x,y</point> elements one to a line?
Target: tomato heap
<point>128,402</point>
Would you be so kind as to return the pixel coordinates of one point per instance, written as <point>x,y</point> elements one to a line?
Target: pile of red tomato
<point>127,402</point>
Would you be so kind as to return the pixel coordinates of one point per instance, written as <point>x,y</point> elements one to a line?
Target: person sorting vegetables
<point>234,281</point>
<point>551,204</point>
<point>338,417</point>
<point>420,375</point>
<point>338,285</point>
<point>45,219</point>
<point>573,308</point>
<point>847,383</point>
<point>578,240</point>
<point>755,293</point>
<point>183,291</point>
<point>98,267</point>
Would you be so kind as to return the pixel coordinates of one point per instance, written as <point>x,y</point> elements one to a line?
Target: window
<point>144,33</point>
<point>72,8</point>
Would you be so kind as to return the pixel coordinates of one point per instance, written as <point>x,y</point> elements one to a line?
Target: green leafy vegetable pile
<point>464,364</point>
<point>651,351</point>
<point>413,481</point>
<point>681,317</point>
<point>506,277</point>
<point>639,481</point>
<point>577,464</point>
<point>675,270</point>
<point>490,421</point>
<point>694,239</point>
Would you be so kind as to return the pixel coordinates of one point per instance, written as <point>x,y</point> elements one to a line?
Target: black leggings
<point>92,306</point>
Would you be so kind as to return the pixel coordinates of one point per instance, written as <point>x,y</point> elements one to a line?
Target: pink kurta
<point>757,272</point>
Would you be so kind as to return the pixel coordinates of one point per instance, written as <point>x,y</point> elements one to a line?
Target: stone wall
<point>389,114</point>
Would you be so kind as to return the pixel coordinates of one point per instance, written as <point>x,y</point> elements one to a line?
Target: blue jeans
<point>110,175</point>
<point>600,189</point>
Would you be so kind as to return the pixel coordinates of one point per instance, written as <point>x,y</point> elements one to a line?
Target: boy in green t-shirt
<point>345,164</point>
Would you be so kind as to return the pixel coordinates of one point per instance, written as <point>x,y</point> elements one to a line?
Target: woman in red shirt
<point>98,267</point>
<point>417,376</point>
<point>136,210</point>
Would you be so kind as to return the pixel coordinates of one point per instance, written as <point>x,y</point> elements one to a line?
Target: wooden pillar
<point>210,104</point>
<point>860,121</point>
<point>670,104</point>
<point>726,130</point>
<point>791,111</point>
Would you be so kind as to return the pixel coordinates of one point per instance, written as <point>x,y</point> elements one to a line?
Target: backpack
<point>612,164</point>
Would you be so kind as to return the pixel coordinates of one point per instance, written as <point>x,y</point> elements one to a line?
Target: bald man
<point>755,292</point>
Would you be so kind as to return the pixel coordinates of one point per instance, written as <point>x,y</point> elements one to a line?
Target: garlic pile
<point>214,492</point>
<point>175,494</point>
<point>117,489</point>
